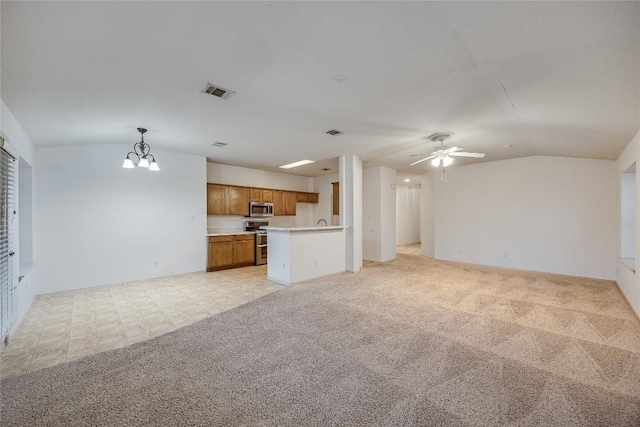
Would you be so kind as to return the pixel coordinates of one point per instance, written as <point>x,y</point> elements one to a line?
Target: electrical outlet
<point>155,262</point>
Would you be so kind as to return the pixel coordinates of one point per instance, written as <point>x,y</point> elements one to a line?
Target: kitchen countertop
<point>227,232</point>
<point>295,229</point>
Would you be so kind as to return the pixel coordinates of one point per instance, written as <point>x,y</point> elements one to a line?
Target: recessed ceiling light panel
<point>334,132</point>
<point>218,91</point>
<point>339,78</point>
<point>296,164</point>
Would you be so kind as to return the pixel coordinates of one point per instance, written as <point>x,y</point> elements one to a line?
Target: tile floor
<point>67,326</point>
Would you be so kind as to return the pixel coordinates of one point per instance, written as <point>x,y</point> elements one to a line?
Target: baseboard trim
<point>627,300</point>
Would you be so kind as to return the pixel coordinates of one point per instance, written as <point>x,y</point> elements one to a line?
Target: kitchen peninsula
<point>302,253</point>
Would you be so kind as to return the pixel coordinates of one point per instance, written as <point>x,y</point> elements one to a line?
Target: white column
<point>379,208</point>
<point>427,217</point>
<point>351,209</point>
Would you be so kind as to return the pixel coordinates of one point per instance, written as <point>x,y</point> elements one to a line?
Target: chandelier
<point>141,151</point>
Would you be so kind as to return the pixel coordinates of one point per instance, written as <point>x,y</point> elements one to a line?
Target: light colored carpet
<point>409,342</point>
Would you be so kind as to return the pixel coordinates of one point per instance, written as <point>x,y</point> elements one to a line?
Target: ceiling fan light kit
<point>141,150</point>
<point>443,157</point>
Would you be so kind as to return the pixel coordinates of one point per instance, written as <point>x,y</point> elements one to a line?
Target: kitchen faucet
<point>325,222</point>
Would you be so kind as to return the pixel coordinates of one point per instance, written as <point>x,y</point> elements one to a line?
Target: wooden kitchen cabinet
<point>234,200</point>
<point>256,195</point>
<point>313,197</point>
<point>238,201</point>
<point>217,199</point>
<point>235,250</point>
<point>290,199</point>
<point>244,249</point>
<point>278,202</point>
<point>307,197</point>
<point>220,252</point>
<point>336,198</point>
<point>267,195</point>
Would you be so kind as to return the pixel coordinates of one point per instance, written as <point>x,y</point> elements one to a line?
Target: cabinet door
<point>256,195</point>
<point>313,197</point>
<point>336,198</point>
<point>267,196</point>
<point>238,201</point>
<point>278,202</point>
<point>244,250</point>
<point>302,197</point>
<point>217,199</point>
<point>220,253</point>
<point>290,203</point>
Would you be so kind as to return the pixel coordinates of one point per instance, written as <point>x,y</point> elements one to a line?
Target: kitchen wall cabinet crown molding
<point>223,199</point>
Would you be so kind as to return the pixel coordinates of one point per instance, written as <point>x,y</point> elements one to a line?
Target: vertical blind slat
<point>7,188</point>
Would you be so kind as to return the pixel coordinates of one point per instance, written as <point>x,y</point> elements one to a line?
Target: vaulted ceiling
<point>547,78</point>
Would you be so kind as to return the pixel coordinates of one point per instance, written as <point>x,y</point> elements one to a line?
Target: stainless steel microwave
<point>260,209</point>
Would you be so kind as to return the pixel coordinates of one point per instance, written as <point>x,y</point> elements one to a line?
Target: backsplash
<point>303,218</point>
<point>237,222</point>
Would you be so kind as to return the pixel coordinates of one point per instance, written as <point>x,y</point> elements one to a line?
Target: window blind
<point>7,206</point>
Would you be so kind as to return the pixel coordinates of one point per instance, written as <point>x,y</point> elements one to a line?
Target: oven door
<point>261,248</point>
<point>261,254</point>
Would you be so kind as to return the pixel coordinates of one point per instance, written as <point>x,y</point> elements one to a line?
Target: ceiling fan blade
<point>464,154</point>
<point>453,150</point>
<point>423,160</point>
<point>419,154</point>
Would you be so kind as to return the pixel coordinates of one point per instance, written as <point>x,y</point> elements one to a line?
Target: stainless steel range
<point>261,239</point>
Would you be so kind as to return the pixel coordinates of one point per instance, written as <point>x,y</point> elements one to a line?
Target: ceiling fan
<point>443,156</point>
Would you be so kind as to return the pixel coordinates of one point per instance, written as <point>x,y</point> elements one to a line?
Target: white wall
<point>427,217</point>
<point>97,223</point>
<point>379,214</point>
<point>234,175</point>
<point>25,290</point>
<point>407,214</point>
<point>16,136</point>
<point>324,208</point>
<point>628,215</point>
<point>549,214</point>
<point>629,281</point>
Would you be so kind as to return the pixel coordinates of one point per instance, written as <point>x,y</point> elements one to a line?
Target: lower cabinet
<point>236,250</point>
<point>244,249</point>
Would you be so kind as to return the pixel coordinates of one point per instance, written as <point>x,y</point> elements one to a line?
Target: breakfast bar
<point>301,253</point>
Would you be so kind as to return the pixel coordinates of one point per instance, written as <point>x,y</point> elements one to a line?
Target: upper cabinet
<point>234,200</point>
<point>255,195</point>
<point>290,199</point>
<point>278,202</point>
<point>336,198</point>
<point>267,196</point>
<point>217,199</point>
<point>238,201</point>
<point>313,197</point>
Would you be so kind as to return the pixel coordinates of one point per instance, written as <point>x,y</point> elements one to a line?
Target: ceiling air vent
<point>220,144</point>
<point>218,91</point>
<point>334,132</point>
